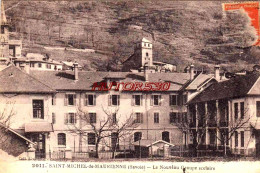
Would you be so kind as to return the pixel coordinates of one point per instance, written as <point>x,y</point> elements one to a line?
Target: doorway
<point>39,139</point>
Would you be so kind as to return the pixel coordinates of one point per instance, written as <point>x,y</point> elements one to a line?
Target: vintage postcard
<point>129,86</point>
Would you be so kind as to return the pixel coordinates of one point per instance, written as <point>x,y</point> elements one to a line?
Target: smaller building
<point>37,61</point>
<point>149,148</point>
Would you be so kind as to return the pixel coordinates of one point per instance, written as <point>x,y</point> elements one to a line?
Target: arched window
<point>137,136</point>
<point>61,139</point>
<point>166,136</point>
<point>147,54</point>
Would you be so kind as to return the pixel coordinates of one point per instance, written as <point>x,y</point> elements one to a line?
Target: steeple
<point>3,20</point>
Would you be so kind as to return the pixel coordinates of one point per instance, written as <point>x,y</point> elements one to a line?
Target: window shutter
<point>66,118</point>
<point>109,100</point>
<point>160,98</point>
<point>141,117</point>
<point>118,100</point>
<point>86,100</point>
<point>76,117</point>
<point>95,118</point>
<point>141,100</point>
<point>94,99</point>
<point>151,101</point>
<point>133,100</point>
<point>75,99</point>
<point>66,100</point>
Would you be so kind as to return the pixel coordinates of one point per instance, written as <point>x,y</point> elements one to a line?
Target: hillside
<point>182,32</point>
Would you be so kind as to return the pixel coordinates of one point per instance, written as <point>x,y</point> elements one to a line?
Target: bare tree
<point>122,129</point>
<point>6,114</point>
<point>227,129</point>
<point>188,126</point>
<point>103,127</point>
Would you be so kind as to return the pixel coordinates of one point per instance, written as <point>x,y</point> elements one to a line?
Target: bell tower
<point>4,34</point>
<point>144,53</point>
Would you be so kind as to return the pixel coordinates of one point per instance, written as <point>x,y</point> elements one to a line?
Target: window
<point>48,66</point>
<point>137,136</point>
<point>32,64</point>
<point>114,100</point>
<point>185,117</point>
<point>156,117</point>
<point>236,110</point>
<point>70,99</point>
<point>53,118</point>
<point>61,139</point>
<point>173,116</point>
<point>179,117</point>
<point>258,108</point>
<point>70,118</point>
<point>114,120</point>
<point>173,100</point>
<point>91,139</point>
<point>137,100</point>
<point>92,117</point>
<point>38,109</point>
<point>156,100</point>
<point>147,54</point>
<point>242,138</point>
<point>184,99</point>
<point>90,100</point>
<point>166,136</point>
<point>138,117</point>
<point>236,139</point>
<point>40,65</point>
<point>242,110</point>
<point>212,137</point>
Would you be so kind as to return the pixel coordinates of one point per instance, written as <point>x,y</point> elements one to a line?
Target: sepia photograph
<point>129,86</point>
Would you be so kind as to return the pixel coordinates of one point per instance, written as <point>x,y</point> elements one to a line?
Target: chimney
<point>191,71</point>
<point>146,72</point>
<point>76,71</point>
<point>27,66</point>
<point>217,74</point>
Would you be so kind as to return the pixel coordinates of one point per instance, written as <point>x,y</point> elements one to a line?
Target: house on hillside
<point>226,116</point>
<point>37,61</point>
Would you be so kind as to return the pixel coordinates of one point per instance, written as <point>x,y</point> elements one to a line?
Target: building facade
<point>49,104</point>
<point>225,116</point>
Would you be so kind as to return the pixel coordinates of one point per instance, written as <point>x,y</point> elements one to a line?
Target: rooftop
<point>14,80</point>
<point>233,88</point>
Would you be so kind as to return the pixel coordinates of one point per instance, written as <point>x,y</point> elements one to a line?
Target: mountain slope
<point>182,32</point>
